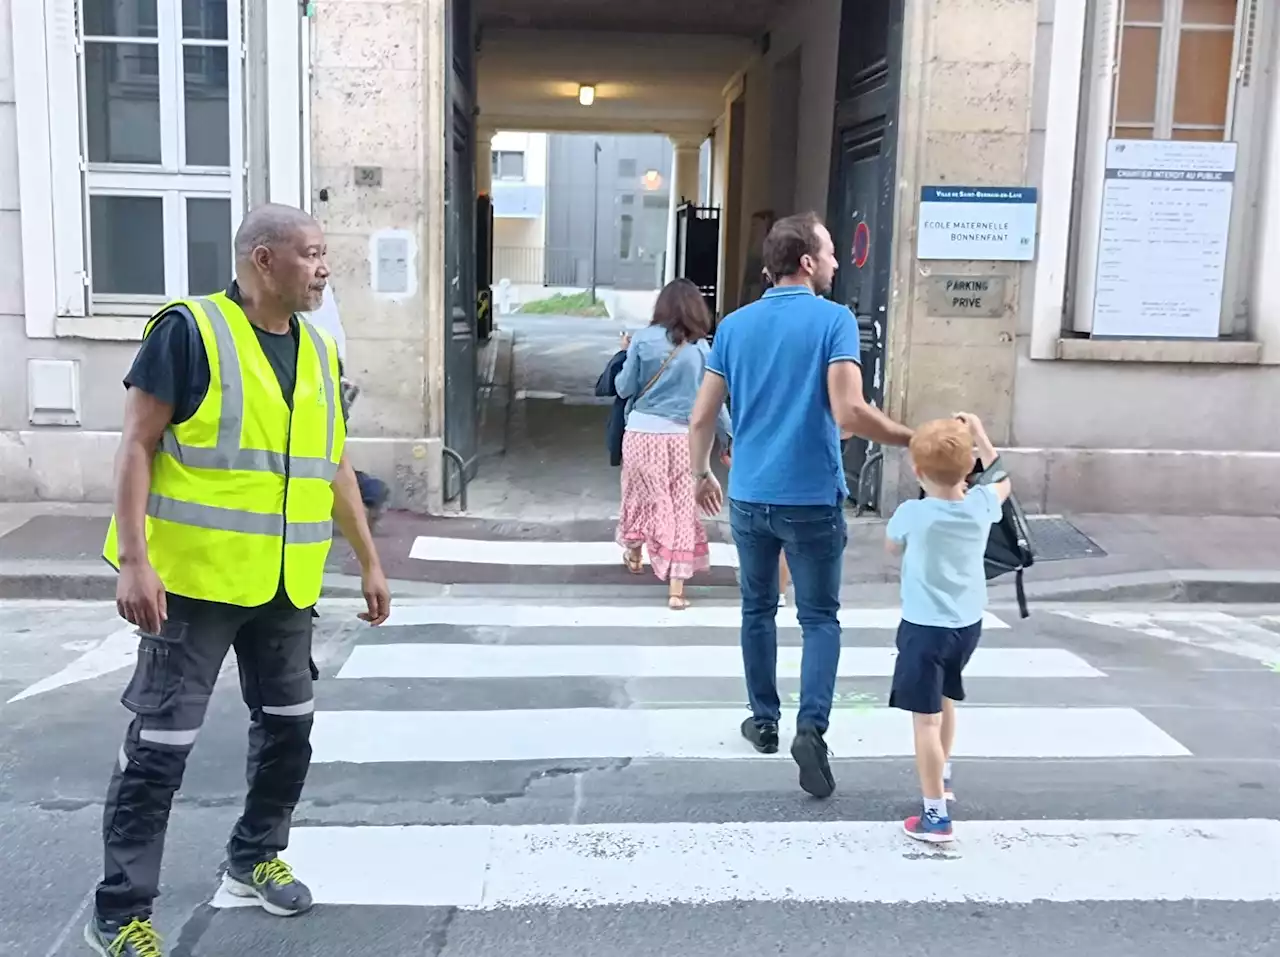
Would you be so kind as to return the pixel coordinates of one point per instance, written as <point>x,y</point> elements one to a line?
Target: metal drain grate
<point>1054,539</point>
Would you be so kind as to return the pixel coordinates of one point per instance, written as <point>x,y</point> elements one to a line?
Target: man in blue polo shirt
<point>791,364</point>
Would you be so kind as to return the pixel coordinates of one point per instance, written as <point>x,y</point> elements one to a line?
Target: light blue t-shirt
<point>944,581</point>
<point>773,355</point>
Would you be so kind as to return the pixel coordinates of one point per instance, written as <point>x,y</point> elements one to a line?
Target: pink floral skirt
<point>658,510</point>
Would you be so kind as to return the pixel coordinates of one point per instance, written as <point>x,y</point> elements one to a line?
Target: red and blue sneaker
<point>929,828</point>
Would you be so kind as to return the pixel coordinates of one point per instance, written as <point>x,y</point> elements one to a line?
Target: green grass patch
<point>566,304</point>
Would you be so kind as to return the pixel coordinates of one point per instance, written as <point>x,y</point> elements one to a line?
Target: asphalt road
<point>561,355</point>
<point>555,467</point>
<point>1201,744</point>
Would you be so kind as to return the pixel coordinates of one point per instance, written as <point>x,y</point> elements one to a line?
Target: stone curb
<point>94,581</point>
<point>1173,586</point>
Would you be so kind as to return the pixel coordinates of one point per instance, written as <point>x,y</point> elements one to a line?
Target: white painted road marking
<point>632,617</point>
<point>518,552</point>
<point>1209,630</point>
<point>117,651</point>
<point>363,737</point>
<point>999,862</point>
<point>426,660</point>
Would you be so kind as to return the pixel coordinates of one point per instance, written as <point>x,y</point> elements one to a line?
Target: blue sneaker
<point>924,827</point>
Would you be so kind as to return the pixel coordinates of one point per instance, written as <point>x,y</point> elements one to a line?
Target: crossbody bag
<point>656,376</point>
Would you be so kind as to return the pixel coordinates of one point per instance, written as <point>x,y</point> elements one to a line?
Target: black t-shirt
<point>173,366</point>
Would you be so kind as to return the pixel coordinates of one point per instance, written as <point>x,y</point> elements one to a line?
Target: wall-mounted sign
<point>861,244</point>
<point>1162,250</point>
<point>977,297</point>
<point>977,222</point>
<point>393,255</point>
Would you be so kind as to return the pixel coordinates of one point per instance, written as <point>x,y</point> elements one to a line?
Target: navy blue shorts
<point>930,662</point>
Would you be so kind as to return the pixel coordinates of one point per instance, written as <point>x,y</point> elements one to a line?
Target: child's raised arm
<point>987,453</point>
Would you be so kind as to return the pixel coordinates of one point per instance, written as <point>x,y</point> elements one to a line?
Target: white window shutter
<point>35,184</point>
<point>1246,125</point>
<point>67,156</point>
<point>1099,91</point>
<point>284,107</point>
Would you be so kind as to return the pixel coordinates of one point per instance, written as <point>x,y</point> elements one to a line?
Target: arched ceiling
<point>743,18</point>
<point>645,83</point>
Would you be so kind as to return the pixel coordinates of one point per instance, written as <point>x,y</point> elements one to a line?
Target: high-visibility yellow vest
<point>241,493</point>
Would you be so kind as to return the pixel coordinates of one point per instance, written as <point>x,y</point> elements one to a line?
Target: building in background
<point>627,188</point>
<point>519,191</point>
<point>546,190</point>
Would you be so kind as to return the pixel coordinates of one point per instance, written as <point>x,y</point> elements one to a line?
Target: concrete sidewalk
<point>51,550</point>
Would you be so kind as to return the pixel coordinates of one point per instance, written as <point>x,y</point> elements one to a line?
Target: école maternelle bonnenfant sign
<point>1162,245</point>
<point>977,222</point>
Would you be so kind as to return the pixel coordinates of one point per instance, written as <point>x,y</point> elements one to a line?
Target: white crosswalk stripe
<point>1201,629</point>
<point>485,867</point>
<point>670,661</point>
<point>517,552</point>
<point>360,737</point>
<point>560,617</point>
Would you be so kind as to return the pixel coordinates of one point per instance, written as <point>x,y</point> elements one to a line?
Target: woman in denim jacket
<point>660,379</point>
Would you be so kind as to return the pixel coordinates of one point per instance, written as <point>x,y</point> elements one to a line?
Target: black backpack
<point>1009,546</point>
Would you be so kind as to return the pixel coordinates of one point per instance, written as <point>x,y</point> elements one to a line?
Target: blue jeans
<point>814,537</point>
<point>373,491</point>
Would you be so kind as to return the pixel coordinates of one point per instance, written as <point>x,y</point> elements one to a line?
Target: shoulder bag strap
<point>658,375</point>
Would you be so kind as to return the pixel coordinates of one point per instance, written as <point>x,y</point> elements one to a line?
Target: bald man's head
<point>280,254</point>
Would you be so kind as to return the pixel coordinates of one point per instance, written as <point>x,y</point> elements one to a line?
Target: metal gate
<point>460,379</point>
<point>698,249</point>
<point>864,170</point>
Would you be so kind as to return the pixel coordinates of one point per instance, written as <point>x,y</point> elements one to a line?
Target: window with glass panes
<point>160,84</point>
<point>508,165</point>
<point>1177,65</point>
<point>1174,70</point>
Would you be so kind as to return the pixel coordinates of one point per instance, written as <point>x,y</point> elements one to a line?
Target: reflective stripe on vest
<point>227,454</point>
<point>233,520</point>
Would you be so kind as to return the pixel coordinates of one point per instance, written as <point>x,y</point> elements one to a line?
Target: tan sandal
<point>634,562</point>
<point>677,602</point>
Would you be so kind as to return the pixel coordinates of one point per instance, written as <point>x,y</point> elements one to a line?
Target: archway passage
<point>752,106</point>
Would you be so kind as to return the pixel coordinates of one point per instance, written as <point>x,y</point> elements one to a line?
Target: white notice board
<point>1162,250</point>
<point>977,222</point>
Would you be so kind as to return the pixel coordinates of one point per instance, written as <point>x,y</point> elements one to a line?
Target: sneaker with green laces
<point>273,884</point>
<point>134,939</point>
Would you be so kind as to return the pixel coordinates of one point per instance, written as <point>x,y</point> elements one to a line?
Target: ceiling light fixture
<point>586,94</point>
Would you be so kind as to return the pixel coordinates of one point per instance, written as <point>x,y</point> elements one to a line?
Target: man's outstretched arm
<point>854,414</point>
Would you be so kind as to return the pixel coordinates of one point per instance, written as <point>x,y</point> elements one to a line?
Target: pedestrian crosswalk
<point>1053,705</point>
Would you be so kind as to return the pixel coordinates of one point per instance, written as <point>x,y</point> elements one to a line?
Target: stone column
<point>684,186</point>
<point>484,161</point>
<point>965,117</point>
<point>377,112</point>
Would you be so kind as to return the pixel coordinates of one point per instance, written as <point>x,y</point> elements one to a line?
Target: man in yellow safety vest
<point>229,476</point>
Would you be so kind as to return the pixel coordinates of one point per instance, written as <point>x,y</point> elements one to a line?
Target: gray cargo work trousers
<point>168,695</point>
